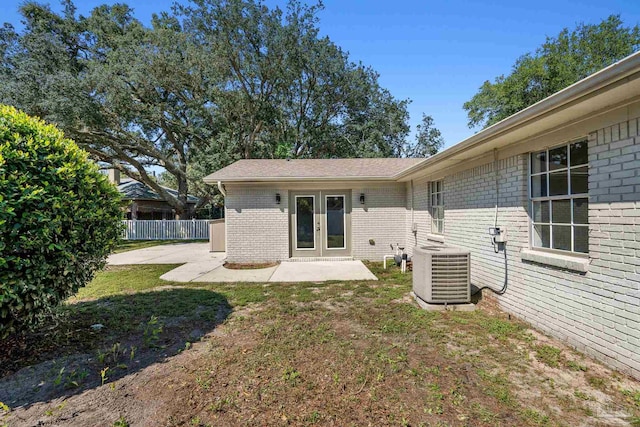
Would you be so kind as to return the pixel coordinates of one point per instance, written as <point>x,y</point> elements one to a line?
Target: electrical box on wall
<point>498,234</point>
<point>414,227</point>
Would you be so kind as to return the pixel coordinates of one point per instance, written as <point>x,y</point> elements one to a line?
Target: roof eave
<point>214,180</point>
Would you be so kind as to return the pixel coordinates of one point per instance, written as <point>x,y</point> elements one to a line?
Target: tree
<point>134,97</point>
<point>59,219</point>
<point>288,92</point>
<point>558,63</point>
<point>201,87</point>
<point>428,139</point>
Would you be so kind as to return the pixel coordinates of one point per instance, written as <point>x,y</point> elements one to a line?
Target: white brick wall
<point>382,218</point>
<point>421,215</point>
<point>257,227</point>
<point>597,312</point>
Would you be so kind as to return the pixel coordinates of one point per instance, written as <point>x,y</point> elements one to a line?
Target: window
<point>437,206</point>
<point>559,198</point>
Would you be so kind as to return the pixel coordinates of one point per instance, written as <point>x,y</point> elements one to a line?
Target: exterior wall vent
<point>441,274</point>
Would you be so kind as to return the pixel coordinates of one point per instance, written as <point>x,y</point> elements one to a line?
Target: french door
<point>320,223</point>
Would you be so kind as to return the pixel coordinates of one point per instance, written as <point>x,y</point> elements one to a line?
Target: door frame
<point>321,227</point>
<point>293,209</point>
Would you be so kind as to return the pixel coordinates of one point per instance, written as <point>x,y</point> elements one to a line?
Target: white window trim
<point>432,206</point>
<point>569,197</point>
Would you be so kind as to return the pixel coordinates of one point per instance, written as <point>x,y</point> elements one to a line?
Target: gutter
<point>615,72</point>
<point>390,178</point>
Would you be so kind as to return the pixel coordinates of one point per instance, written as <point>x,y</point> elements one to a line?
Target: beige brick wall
<point>598,312</point>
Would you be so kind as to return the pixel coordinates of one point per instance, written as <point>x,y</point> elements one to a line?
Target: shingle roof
<point>134,190</point>
<point>312,169</point>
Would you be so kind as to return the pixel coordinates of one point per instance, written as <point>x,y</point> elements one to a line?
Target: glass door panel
<point>305,222</point>
<point>335,222</point>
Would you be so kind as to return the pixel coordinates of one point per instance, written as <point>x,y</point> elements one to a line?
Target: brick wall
<point>257,227</point>
<point>421,214</point>
<point>382,218</point>
<point>597,312</point>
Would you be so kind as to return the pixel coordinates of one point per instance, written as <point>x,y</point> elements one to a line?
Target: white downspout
<point>221,189</point>
<point>412,215</point>
<point>497,179</point>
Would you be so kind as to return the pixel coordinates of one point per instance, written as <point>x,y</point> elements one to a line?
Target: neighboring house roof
<point>312,169</point>
<point>134,190</point>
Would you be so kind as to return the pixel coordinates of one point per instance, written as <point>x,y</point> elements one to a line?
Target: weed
<point>75,378</point>
<point>501,328</point>
<point>221,403</point>
<point>291,376</point>
<point>132,353</point>
<point>101,356</point>
<point>4,407</point>
<point>574,366</point>
<point>497,386</point>
<point>536,417</point>
<point>152,331</point>
<point>204,384</point>
<point>103,375</point>
<point>548,355</point>
<point>121,422</point>
<point>51,411</point>
<point>313,418</point>
<point>596,382</point>
<point>485,414</point>
<point>582,395</point>
<point>456,395</point>
<point>58,378</point>
<point>633,395</point>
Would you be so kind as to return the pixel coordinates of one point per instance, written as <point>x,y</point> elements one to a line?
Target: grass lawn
<point>343,353</point>
<point>130,245</point>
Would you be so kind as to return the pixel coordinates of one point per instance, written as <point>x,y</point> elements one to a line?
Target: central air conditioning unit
<point>442,274</point>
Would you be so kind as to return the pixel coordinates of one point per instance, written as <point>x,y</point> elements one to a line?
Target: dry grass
<point>358,353</point>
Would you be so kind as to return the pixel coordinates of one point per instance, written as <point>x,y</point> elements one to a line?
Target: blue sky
<point>437,53</point>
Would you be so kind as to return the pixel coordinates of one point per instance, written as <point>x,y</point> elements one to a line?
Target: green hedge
<point>59,219</point>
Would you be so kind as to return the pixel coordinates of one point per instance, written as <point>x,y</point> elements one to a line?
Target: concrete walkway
<point>177,253</point>
<point>200,265</point>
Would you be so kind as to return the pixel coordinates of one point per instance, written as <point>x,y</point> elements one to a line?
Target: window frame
<point>569,197</point>
<point>437,221</point>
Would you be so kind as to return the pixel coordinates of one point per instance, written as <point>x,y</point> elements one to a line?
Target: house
<point>144,202</point>
<point>561,177</point>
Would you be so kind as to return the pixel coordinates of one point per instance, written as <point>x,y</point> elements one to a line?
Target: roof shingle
<point>312,169</point>
<point>134,190</point>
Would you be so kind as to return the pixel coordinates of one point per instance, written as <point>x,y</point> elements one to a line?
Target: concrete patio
<point>200,265</point>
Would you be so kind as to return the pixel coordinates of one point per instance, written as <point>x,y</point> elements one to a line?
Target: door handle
<point>318,227</point>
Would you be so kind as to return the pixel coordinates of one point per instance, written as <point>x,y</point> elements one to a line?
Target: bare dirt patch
<point>249,266</point>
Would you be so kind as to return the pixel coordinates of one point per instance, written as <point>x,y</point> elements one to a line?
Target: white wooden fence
<point>166,229</point>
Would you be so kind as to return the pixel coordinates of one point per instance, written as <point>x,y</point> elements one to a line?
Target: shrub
<point>59,219</point>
